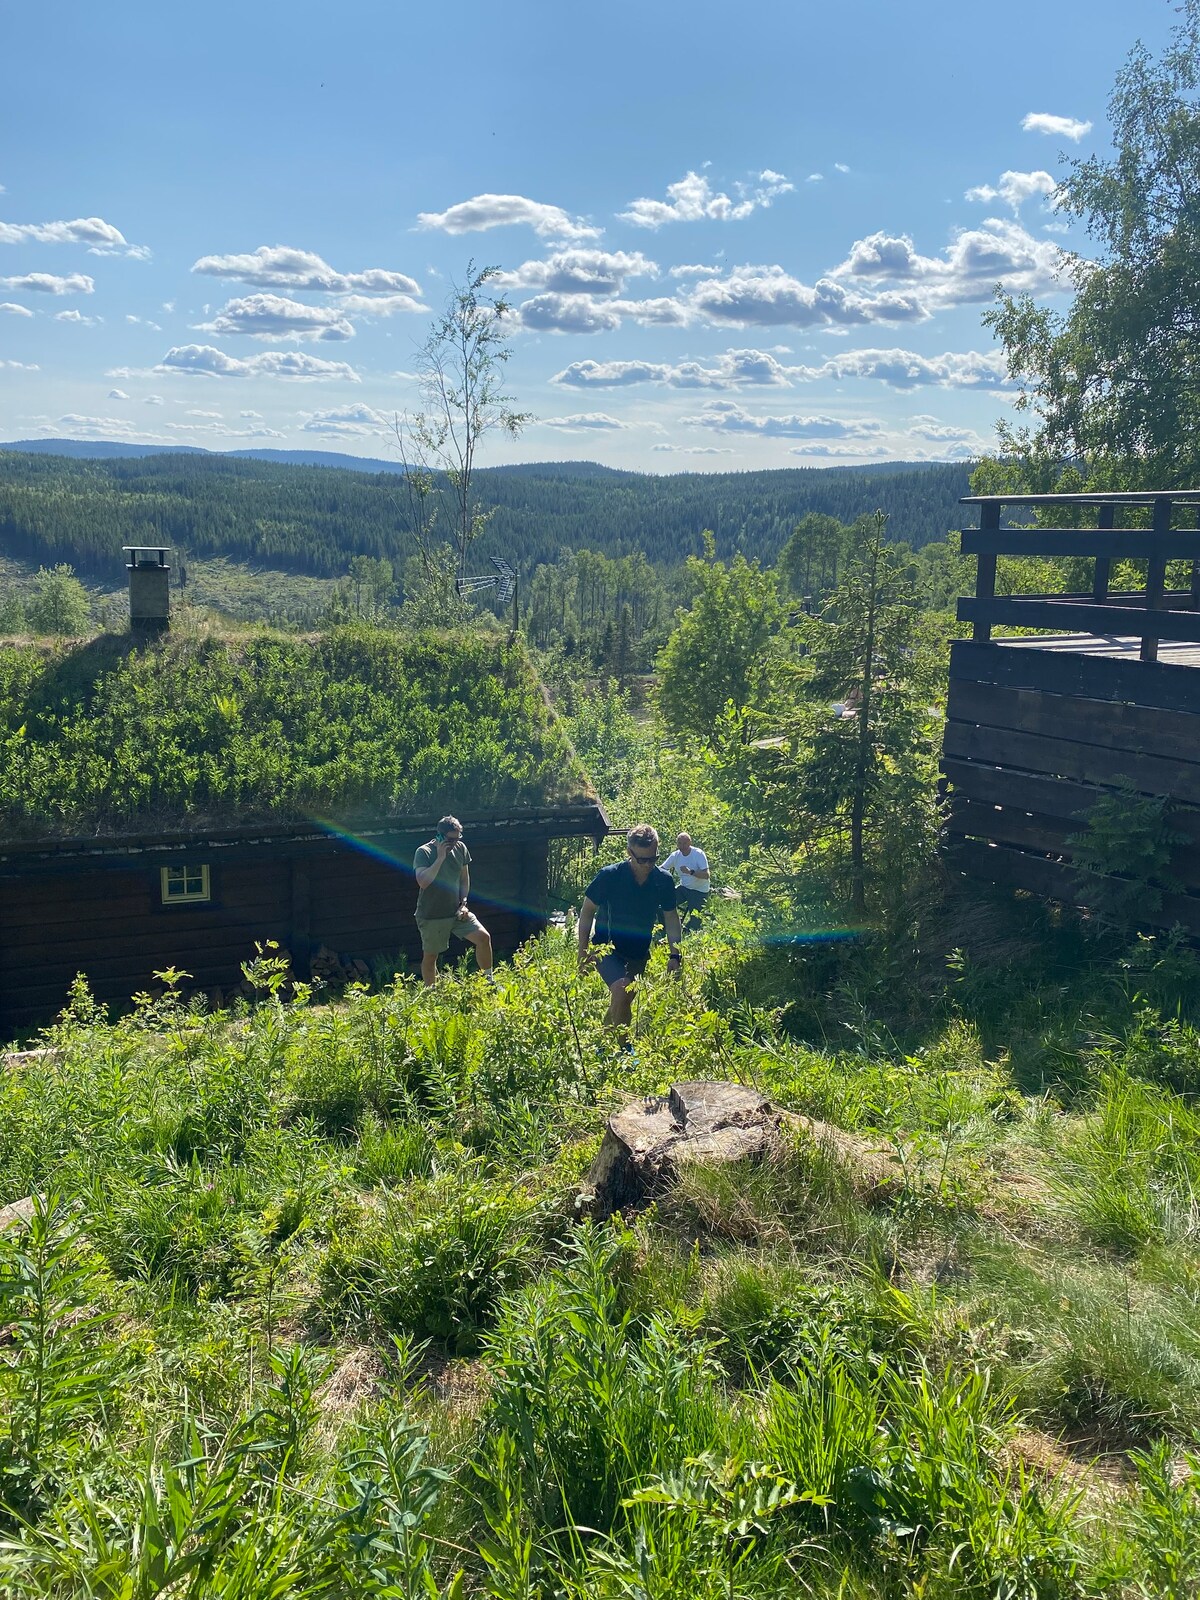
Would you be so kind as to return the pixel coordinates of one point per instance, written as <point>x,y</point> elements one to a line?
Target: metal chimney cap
<point>146,555</point>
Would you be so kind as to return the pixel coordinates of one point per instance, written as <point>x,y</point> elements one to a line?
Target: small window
<point>180,884</point>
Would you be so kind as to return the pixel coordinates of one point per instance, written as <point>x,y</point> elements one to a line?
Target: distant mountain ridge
<point>116,449</point>
<point>79,502</point>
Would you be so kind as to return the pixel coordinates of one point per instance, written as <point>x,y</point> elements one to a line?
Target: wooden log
<point>1012,868</point>
<point>1105,723</point>
<point>1071,616</point>
<point>1026,666</point>
<point>1068,758</point>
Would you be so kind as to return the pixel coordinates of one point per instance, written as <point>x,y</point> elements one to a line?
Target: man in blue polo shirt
<point>622,904</point>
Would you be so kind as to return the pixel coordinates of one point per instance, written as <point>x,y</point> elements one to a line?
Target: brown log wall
<point>1034,739</point>
<point>112,926</point>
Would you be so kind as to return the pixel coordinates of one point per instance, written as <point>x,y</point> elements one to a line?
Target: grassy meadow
<point>306,1305</point>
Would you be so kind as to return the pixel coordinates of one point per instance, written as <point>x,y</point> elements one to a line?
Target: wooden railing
<point>1149,615</point>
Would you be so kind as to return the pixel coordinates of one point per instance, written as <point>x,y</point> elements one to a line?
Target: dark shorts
<point>612,966</point>
<point>690,900</point>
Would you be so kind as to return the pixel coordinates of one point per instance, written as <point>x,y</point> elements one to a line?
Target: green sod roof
<point>109,738</point>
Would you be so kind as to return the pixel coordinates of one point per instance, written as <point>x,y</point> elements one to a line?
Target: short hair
<point>642,833</point>
<point>449,824</point>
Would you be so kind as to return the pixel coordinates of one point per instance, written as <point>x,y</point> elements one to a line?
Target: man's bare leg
<point>483,949</point>
<point>620,1005</point>
<point>429,968</point>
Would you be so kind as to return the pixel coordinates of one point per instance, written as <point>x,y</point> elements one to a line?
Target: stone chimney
<point>149,589</point>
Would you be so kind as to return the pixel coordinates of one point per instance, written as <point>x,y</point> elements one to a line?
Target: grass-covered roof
<point>106,737</point>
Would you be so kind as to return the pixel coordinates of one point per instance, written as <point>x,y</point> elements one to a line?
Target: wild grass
<point>775,1380</point>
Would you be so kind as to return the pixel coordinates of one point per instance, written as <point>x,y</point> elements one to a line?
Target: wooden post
<point>1103,564</point>
<point>1156,574</point>
<point>985,570</point>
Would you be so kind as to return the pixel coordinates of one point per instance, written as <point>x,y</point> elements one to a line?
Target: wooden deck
<point>1116,647</point>
<point>1042,726</point>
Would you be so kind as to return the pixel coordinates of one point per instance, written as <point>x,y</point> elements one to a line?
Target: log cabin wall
<point>1038,729</point>
<point>109,921</point>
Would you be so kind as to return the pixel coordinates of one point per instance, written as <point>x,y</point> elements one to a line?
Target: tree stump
<point>647,1144</point>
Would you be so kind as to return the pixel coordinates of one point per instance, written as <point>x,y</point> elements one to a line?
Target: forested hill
<point>312,519</point>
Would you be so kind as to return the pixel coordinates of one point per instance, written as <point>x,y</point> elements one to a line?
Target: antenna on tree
<point>503,580</point>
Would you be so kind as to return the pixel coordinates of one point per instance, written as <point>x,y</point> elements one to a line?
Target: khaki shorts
<point>436,933</point>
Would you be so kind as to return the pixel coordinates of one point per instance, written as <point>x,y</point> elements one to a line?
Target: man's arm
<point>587,917</point>
<point>674,934</point>
<point>700,872</point>
<point>464,886</point>
<point>426,875</point>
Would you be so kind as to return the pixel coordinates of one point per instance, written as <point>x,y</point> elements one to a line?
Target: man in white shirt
<point>690,866</point>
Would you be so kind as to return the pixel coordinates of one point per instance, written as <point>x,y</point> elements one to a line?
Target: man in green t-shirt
<point>443,883</point>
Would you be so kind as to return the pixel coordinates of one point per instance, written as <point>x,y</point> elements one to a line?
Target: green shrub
<point>435,1260</point>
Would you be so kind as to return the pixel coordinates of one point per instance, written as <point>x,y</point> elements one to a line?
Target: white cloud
<point>206,360</point>
<point>14,309</point>
<point>22,366</point>
<point>611,374</point>
<point>591,272</point>
<point>663,312</point>
<point>1062,127</point>
<point>815,177</point>
<point>693,199</point>
<point>251,416</point>
<point>734,369</point>
<point>770,297</point>
<point>102,238</point>
<point>689,270</point>
<point>727,416</point>
<point>840,166</point>
<point>695,449</point>
<point>583,422</point>
<point>835,452</point>
<point>345,421</point>
<point>939,432</point>
<point>93,427</point>
<point>485,211</point>
<point>271,316</point>
<point>968,270</point>
<point>1014,188</point>
<point>142,322</point>
<point>569,313</point>
<point>75,316</point>
<point>117,394</point>
<point>208,416</point>
<point>47,283</point>
<point>222,430</point>
<point>904,369</point>
<point>281,267</point>
<point>380,305</point>
<point>154,400</point>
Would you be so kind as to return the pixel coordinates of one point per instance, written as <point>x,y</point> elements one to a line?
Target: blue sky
<point>734,236</point>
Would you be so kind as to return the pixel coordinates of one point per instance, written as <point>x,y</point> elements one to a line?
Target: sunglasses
<point>644,859</point>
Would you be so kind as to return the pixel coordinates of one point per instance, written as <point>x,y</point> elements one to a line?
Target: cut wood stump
<point>648,1143</point>
<point>17,1215</point>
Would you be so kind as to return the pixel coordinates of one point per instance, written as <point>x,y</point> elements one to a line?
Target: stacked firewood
<point>335,970</point>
